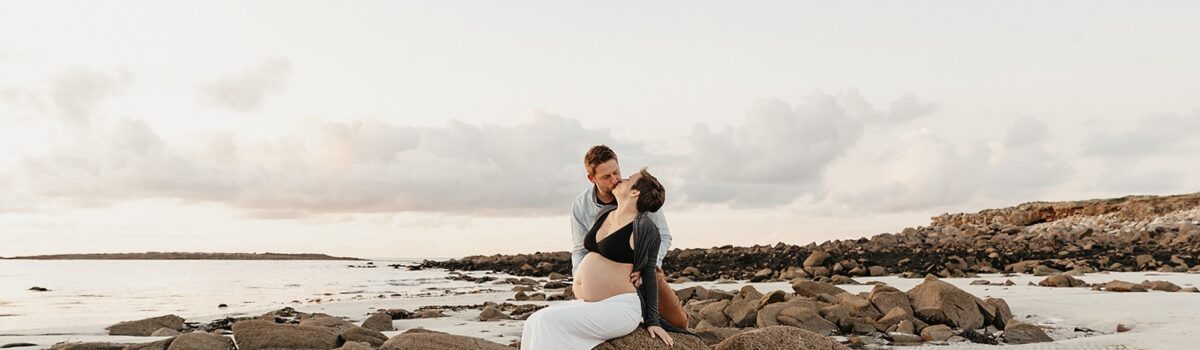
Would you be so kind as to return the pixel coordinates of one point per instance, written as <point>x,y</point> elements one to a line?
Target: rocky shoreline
<point>1134,233</point>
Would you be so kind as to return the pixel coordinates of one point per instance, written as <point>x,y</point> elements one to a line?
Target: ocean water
<point>87,293</point>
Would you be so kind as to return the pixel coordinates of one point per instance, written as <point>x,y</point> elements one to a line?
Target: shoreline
<point>156,256</point>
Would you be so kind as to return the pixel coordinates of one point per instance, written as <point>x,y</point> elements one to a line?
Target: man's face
<point>606,176</point>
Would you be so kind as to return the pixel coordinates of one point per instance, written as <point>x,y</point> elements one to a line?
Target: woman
<point>621,241</point>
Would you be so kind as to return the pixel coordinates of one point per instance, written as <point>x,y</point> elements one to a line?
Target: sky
<point>451,128</point>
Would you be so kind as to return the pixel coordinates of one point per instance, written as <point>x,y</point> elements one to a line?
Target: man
<point>604,173</point>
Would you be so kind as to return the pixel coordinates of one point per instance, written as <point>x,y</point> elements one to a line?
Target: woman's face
<point>623,189</point>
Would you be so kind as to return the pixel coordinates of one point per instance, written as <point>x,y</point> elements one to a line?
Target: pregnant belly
<point>599,278</point>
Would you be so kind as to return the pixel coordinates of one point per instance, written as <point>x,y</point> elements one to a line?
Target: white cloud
<point>246,91</point>
<point>1151,135</point>
<point>780,152</point>
<point>533,167</point>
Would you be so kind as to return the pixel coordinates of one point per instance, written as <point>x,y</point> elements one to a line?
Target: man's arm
<point>665,244</point>
<point>578,232</point>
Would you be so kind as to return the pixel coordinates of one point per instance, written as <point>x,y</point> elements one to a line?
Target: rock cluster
<point>933,311</point>
<point>1135,233</point>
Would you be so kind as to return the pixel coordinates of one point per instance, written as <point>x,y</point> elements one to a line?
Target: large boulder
<point>146,327</point>
<point>813,289</point>
<point>363,335</point>
<point>1003,312</point>
<point>806,319</point>
<point>938,302</point>
<point>714,313</point>
<point>1161,285</point>
<point>937,332</point>
<point>1122,286</point>
<point>331,322</point>
<point>380,321</point>
<point>1062,281</point>
<point>88,346</point>
<point>262,335</point>
<point>438,341</point>
<point>157,345</point>
<point>1024,333</point>
<point>779,337</point>
<point>202,341</point>
<point>817,258</point>
<point>885,298</point>
<point>640,339</point>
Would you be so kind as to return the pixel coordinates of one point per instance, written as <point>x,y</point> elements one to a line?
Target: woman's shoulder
<point>645,226</point>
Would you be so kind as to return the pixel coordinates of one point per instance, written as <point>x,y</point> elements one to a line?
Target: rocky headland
<point>1134,233</point>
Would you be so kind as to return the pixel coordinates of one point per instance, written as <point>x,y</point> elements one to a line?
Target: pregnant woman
<point>621,241</point>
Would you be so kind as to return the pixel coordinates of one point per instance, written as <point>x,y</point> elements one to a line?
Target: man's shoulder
<point>581,199</point>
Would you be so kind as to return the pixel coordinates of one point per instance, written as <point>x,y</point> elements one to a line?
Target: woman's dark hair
<point>652,194</point>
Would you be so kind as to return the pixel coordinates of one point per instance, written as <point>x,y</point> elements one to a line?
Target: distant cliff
<point>183,256</point>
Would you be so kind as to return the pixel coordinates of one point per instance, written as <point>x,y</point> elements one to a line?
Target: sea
<point>87,293</point>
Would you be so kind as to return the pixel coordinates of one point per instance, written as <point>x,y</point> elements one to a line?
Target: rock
<point>839,279</point>
<point>146,327</point>
<point>555,276</point>
<point>980,283</point>
<point>1062,280</point>
<point>521,296</point>
<point>714,313</point>
<point>158,345</point>
<point>201,341</point>
<point>901,337</point>
<point>762,275</point>
<point>1024,333</point>
<point>1003,312</point>
<point>742,313</point>
<point>88,346</point>
<point>886,298</point>
<point>806,319</point>
<point>897,316</point>
<point>1041,270</point>
<point>353,345</point>
<point>337,324</point>
<point>263,335</point>
<point>771,298</point>
<point>938,302</point>
<point>164,332</point>
<point>1190,290</point>
<point>1122,286</point>
<point>438,341</point>
<point>813,289</point>
<point>817,258</point>
<point>877,270</point>
<point>40,289</point>
<point>380,321</point>
<point>779,337</point>
<point>1122,328</point>
<point>691,271</point>
<point>429,314</point>
<point>937,332</point>
<point>715,335</point>
<point>769,315</point>
<point>490,313</point>
<point>363,335</point>
<point>1161,285</point>
<point>859,306</point>
<point>640,339</point>
<point>1144,260</point>
<point>16,345</point>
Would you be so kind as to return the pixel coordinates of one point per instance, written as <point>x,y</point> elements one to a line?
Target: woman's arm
<point>645,250</point>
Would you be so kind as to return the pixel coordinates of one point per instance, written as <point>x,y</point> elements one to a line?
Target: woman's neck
<point>625,211</point>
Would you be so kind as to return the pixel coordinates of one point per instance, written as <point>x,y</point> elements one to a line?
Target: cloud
<point>246,91</point>
<point>532,167</point>
<point>924,170</point>
<point>780,152</point>
<point>1152,135</point>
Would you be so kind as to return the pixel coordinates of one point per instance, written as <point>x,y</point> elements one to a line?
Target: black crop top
<point>615,247</point>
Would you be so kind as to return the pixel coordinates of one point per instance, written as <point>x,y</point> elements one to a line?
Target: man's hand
<point>659,332</point>
<point>636,278</point>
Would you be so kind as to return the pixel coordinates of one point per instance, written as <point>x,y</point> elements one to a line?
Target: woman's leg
<point>668,303</point>
<point>581,325</point>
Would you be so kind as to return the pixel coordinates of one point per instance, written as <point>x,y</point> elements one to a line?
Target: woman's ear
<point>634,193</point>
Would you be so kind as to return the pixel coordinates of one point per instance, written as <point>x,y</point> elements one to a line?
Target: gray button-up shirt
<point>583,214</point>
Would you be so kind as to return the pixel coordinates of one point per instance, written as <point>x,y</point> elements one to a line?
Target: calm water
<point>100,292</point>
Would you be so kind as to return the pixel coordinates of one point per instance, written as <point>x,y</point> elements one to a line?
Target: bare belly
<point>599,278</point>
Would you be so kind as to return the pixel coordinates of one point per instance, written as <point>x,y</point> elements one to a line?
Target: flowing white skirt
<point>581,325</point>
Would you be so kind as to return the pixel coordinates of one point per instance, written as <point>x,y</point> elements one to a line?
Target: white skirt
<point>582,325</point>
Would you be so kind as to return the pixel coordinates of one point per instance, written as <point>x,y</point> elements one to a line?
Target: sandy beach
<point>1158,320</point>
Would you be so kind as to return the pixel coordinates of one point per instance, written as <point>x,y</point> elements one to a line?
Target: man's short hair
<point>599,154</point>
<point>651,195</point>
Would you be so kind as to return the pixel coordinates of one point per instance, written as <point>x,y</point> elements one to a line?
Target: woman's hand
<point>659,332</point>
